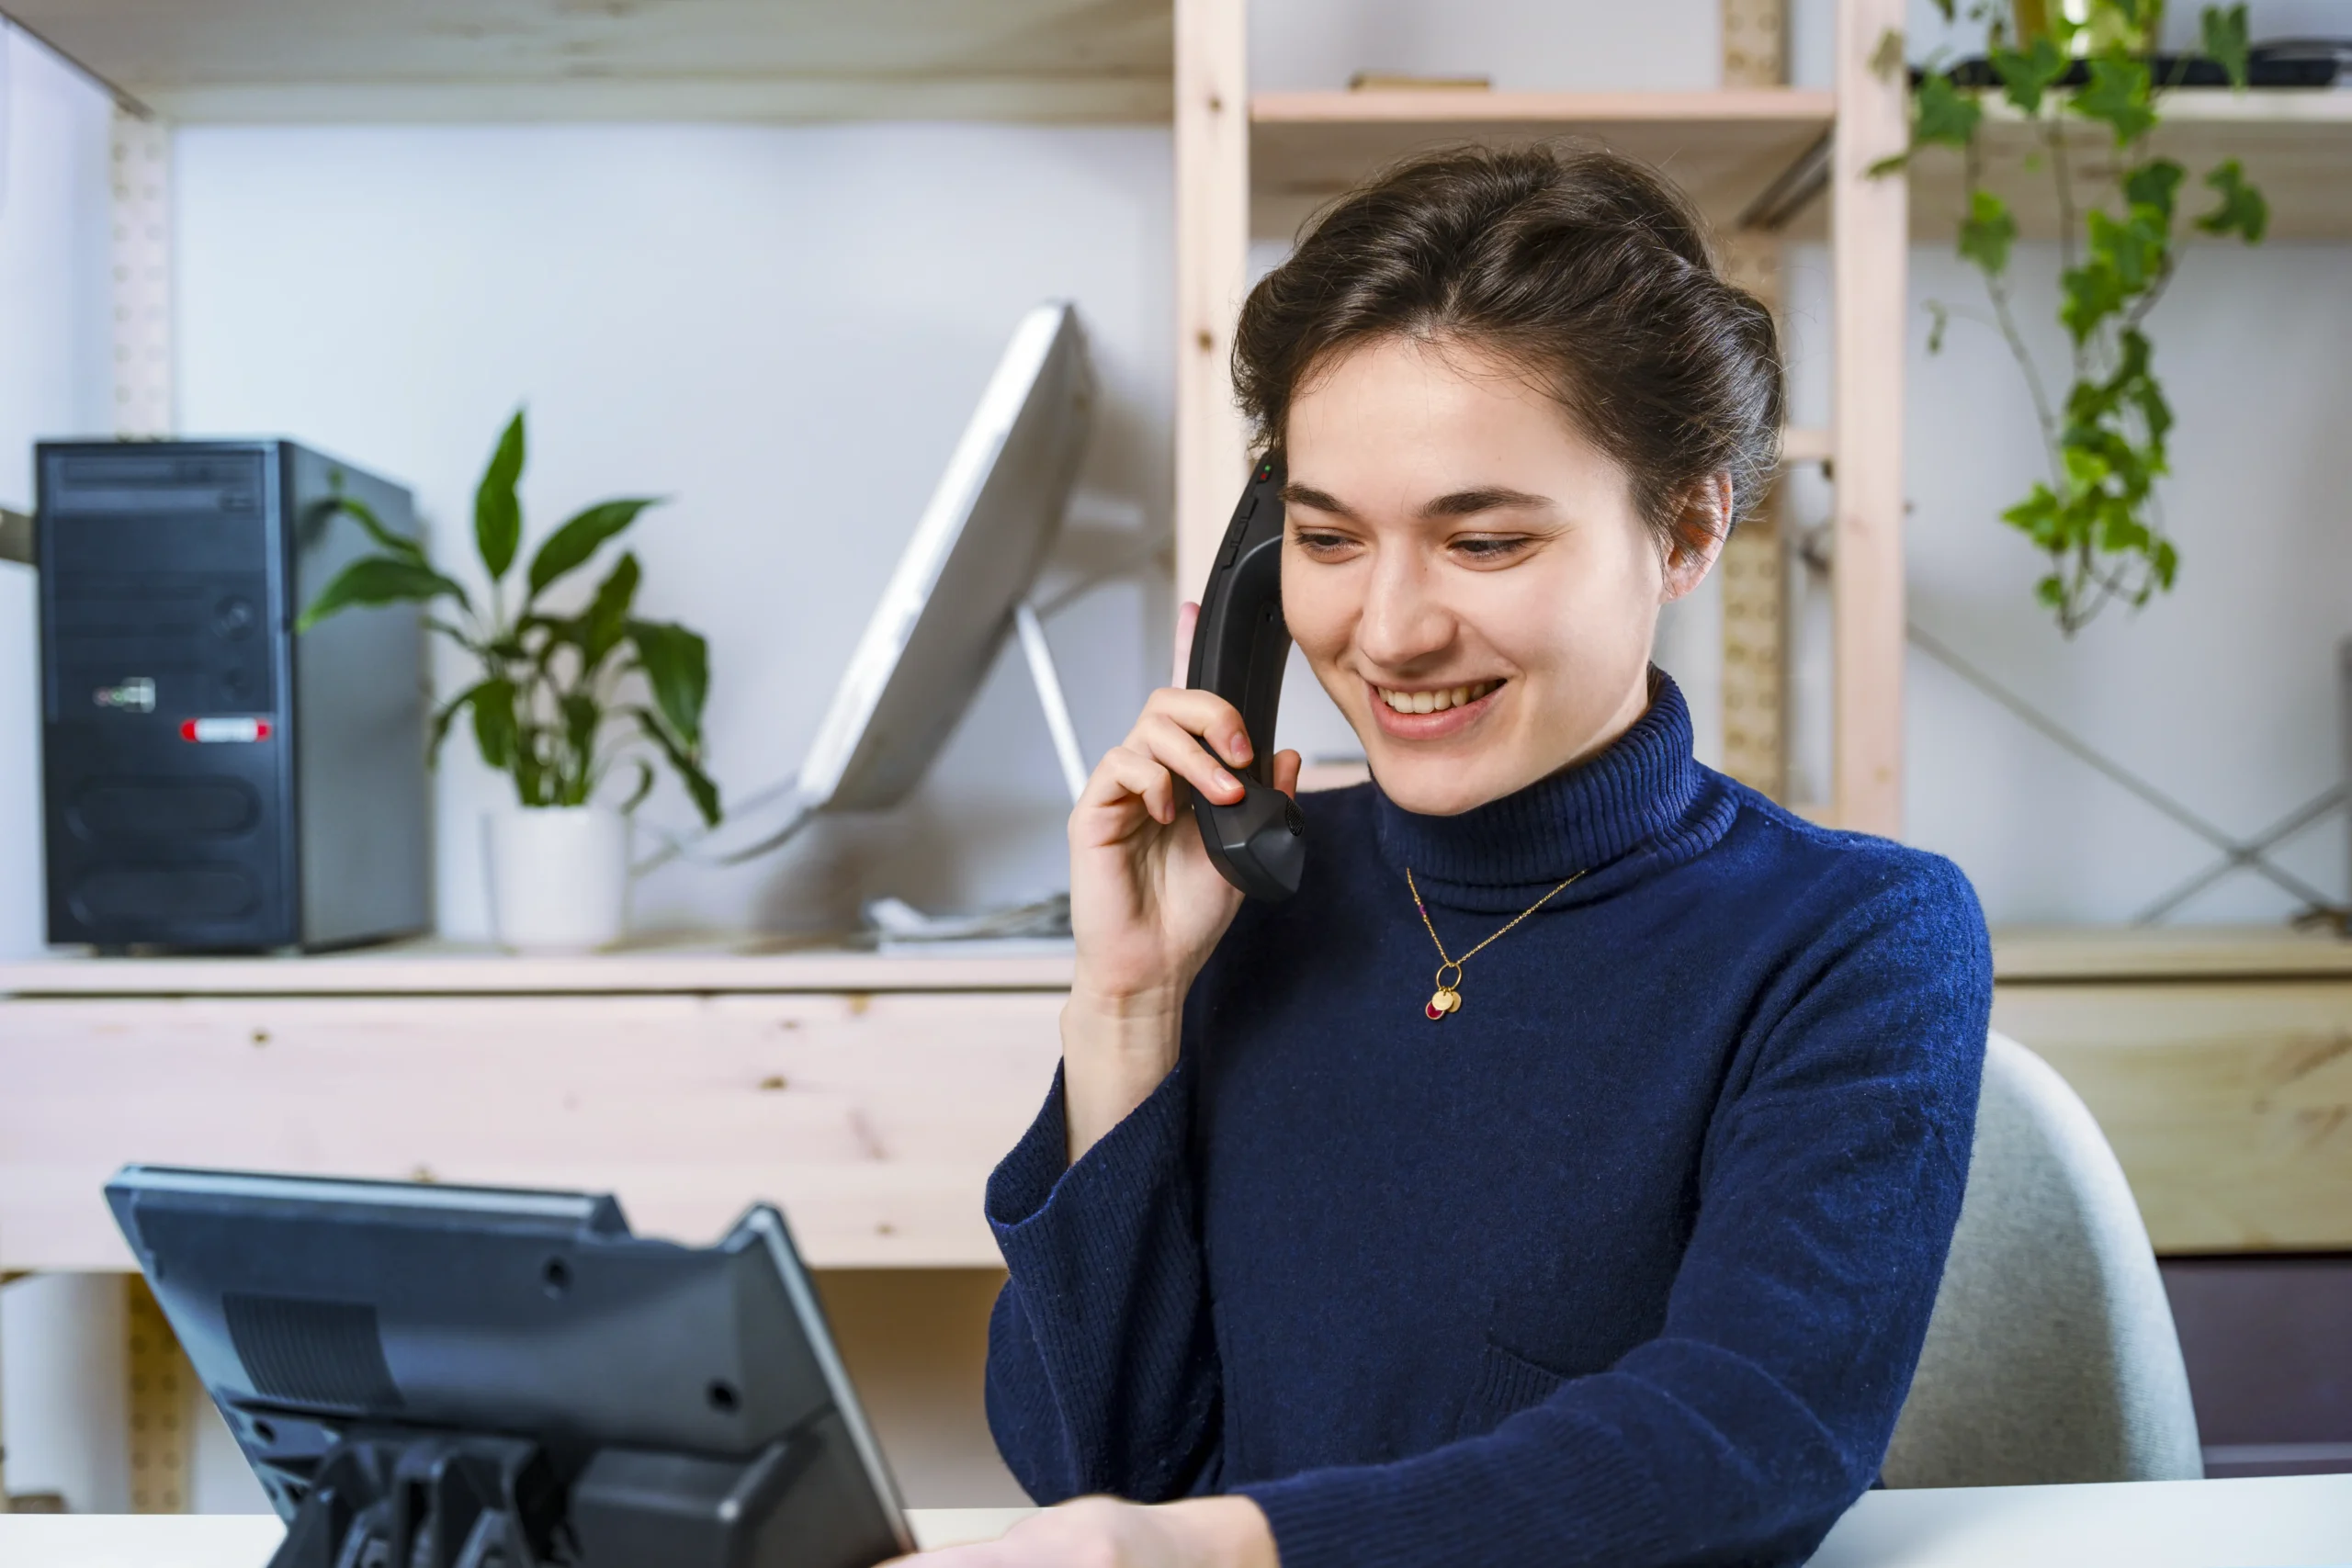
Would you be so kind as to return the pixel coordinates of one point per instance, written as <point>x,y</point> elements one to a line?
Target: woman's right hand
<point>1147,906</point>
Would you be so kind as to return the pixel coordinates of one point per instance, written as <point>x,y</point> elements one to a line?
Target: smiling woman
<point>1620,1249</point>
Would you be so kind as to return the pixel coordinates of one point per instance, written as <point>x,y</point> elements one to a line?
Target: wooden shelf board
<point>2089,953</point>
<point>2296,144</point>
<point>1724,147</point>
<point>428,968</point>
<point>362,61</point>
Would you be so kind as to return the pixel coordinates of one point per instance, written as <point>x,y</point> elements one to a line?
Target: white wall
<point>54,380</point>
<point>781,328</point>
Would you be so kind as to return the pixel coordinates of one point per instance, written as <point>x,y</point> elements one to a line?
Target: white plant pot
<point>559,877</point>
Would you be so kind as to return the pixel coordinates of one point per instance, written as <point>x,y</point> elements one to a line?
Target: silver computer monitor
<point>950,603</point>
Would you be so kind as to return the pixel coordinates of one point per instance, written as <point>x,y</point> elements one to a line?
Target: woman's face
<point>1467,573</point>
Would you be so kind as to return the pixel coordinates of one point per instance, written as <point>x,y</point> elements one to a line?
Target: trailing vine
<point>2096,516</point>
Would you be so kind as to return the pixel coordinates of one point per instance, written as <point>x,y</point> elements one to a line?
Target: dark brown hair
<point>1582,266</point>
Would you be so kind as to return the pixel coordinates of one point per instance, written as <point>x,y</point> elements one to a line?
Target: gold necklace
<point>1448,996</point>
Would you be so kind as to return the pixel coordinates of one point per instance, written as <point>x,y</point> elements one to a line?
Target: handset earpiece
<point>1239,648</point>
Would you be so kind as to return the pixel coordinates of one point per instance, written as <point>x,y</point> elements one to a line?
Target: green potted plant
<point>2097,516</point>
<point>566,699</point>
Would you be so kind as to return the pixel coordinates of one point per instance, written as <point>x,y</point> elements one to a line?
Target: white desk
<point>2290,1522</point>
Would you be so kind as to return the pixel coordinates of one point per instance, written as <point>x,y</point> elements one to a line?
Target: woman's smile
<point>1432,712</point>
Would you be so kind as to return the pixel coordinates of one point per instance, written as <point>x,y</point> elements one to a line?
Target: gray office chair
<point>2051,1356</point>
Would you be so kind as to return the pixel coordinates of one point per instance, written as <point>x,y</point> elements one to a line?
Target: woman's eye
<point>1489,549</point>
<point>1323,544</point>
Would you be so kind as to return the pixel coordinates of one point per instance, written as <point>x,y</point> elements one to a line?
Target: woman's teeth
<point>1435,702</point>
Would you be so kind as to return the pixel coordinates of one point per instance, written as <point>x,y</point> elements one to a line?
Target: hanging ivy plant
<point>2096,516</point>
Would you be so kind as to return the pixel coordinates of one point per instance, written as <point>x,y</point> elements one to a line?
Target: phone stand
<point>385,1498</point>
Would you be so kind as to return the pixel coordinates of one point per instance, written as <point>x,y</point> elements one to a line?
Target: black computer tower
<point>210,780</point>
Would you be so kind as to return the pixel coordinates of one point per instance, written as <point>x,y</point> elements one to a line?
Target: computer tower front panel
<point>166,777</point>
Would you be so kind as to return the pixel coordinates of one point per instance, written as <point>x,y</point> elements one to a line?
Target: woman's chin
<point>1432,786</point>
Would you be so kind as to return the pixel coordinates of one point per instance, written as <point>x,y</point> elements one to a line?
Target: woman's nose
<point>1404,622</point>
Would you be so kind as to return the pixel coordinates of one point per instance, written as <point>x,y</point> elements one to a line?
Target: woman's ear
<point>1700,530</point>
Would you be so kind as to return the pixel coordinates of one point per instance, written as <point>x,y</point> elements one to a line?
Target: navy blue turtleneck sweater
<point>1627,1261</point>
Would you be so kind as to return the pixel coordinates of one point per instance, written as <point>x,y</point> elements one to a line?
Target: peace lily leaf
<point>494,729</point>
<point>571,545</point>
<point>698,783</point>
<point>498,514</point>
<point>677,666</point>
<point>360,512</point>
<point>378,579</point>
<point>444,716</point>
<point>603,622</point>
<point>2226,42</point>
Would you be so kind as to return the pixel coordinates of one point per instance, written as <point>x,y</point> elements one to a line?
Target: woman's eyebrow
<point>1314,500</point>
<point>1490,497</point>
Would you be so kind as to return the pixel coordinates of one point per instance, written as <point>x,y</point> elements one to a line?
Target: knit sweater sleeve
<point>1827,1194</point>
<point>1103,1372</point>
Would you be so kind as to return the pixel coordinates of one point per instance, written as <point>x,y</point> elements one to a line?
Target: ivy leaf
<point>495,730</point>
<point>1946,114</point>
<point>2029,74</point>
<point>2133,249</point>
<point>2118,96</point>
<point>2154,185</point>
<point>1987,233</point>
<point>1889,165</point>
<point>1939,315</point>
<point>2052,591</point>
<point>498,515</point>
<point>2244,209</point>
<point>677,666</point>
<point>379,580</point>
<point>570,545</point>
<point>2091,294</point>
<point>2036,516</point>
<point>2226,42</point>
<point>697,783</point>
<point>2164,562</point>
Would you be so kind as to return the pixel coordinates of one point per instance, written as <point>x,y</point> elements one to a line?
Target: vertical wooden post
<point>1753,566</point>
<point>162,1388</point>
<point>1212,264</point>
<point>143,402</point>
<point>1870,239</point>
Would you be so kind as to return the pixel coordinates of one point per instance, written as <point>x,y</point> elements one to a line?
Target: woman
<point>1616,1242</point>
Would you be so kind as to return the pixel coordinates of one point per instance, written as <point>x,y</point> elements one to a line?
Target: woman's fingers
<point>1205,714</point>
<point>1177,748</point>
<point>1127,773</point>
<point>1287,765</point>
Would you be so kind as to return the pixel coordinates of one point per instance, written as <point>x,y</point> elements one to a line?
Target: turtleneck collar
<point>1642,804</point>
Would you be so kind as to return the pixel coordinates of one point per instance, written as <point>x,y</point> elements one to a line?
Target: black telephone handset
<point>1239,648</point>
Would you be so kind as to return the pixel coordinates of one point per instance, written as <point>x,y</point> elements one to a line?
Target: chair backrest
<point>2051,1356</point>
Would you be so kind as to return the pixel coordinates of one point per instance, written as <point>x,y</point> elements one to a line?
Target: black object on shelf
<point>2290,63</point>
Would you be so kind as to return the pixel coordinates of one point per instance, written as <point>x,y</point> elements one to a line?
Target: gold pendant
<point>1446,1000</point>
